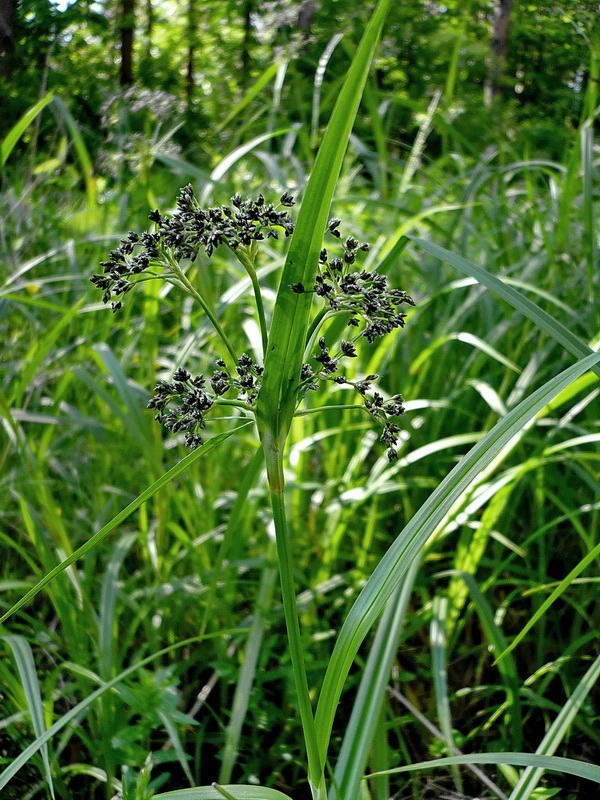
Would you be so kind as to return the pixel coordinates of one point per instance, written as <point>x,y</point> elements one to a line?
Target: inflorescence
<point>363,294</point>
<point>379,408</point>
<point>360,294</point>
<point>180,236</point>
<point>183,403</point>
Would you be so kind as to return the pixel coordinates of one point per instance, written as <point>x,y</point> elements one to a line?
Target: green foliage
<point>439,611</point>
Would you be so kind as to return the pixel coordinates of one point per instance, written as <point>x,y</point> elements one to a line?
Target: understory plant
<point>328,306</point>
<point>362,299</point>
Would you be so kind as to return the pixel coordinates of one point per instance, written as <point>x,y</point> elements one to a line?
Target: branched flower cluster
<point>182,404</point>
<point>240,224</point>
<point>364,294</point>
<point>181,235</point>
<point>379,408</point>
<point>131,258</point>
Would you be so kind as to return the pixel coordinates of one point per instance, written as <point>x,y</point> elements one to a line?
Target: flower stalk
<point>275,475</point>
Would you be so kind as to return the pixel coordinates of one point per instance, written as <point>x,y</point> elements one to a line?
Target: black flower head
<point>184,233</point>
<point>348,349</point>
<point>332,227</point>
<point>364,294</point>
<point>287,200</point>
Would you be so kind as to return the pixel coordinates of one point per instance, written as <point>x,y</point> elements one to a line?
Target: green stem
<point>273,458</point>
<point>315,325</point>
<point>316,410</point>
<point>196,294</point>
<point>322,317</point>
<point>237,403</point>
<point>249,267</point>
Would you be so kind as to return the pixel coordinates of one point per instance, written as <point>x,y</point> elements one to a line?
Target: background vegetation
<point>476,133</point>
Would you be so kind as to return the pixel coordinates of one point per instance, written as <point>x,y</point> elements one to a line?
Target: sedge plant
<point>363,299</point>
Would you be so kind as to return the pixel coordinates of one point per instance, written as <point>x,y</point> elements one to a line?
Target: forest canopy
<point>536,56</point>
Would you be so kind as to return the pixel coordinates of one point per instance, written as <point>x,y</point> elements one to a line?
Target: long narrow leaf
<point>569,766</point>
<point>439,660</point>
<point>290,317</point>
<point>239,792</point>
<point>256,88</point>
<point>80,148</point>
<point>12,137</point>
<point>406,547</point>
<point>29,680</point>
<point>120,517</point>
<point>543,320</point>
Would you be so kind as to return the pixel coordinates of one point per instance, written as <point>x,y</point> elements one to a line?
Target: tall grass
<point>186,665</point>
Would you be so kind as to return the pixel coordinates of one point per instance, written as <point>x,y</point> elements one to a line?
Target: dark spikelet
<point>369,299</point>
<point>181,236</point>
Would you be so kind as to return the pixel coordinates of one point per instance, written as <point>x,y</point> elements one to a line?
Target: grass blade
<point>239,792</point>
<point>440,678</point>
<point>570,766</point>
<point>406,547</point>
<point>108,600</point>
<point>572,343</point>
<point>177,746</point>
<point>27,672</point>
<point>290,317</point>
<point>466,338</point>
<point>122,515</point>
<point>531,776</point>
<point>15,133</point>
<point>318,82</point>
<point>81,150</point>
<point>256,88</point>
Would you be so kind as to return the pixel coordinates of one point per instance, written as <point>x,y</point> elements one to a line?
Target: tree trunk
<point>245,59</point>
<point>306,15</point>
<point>499,49</point>
<point>7,34</point>
<point>127,32</point>
<point>191,54</point>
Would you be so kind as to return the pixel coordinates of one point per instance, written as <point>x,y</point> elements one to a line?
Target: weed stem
<point>250,269</point>
<point>188,286</point>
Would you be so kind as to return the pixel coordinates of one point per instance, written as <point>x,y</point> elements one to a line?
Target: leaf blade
<point>407,545</point>
<point>122,515</point>
<point>290,316</point>
<point>570,766</point>
<point>12,137</point>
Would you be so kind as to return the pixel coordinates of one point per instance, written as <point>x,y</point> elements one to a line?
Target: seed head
<point>182,235</point>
